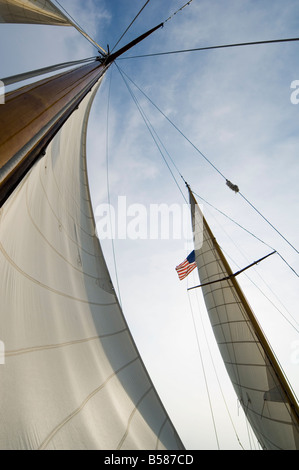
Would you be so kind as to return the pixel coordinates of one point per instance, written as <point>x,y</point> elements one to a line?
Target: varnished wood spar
<point>28,110</point>
<point>33,114</point>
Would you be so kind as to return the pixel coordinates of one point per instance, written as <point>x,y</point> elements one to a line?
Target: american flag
<point>186,266</point>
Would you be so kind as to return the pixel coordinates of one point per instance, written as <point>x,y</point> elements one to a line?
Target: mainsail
<point>72,377</point>
<point>262,390</point>
<point>32,11</point>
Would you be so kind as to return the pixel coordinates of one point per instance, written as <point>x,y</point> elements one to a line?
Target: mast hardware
<point>226,278</point>
<point>111,57</point>
<point>232,186</point>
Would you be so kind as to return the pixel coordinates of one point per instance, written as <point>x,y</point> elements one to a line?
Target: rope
<point>207,48</point>
<point>130,24</point>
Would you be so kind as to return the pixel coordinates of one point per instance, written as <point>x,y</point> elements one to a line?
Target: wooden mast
<point>32,115</point>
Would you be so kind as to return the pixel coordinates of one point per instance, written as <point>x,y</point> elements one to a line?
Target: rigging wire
<point>81,30</point>
<point>248,231</point>
<point>279,233</point>
<point>263,293</point>
<point>213,363</point>
<point>130,25</point>
<point>215,168</point>
<point>172,123</point>
<point>170,17</point>
<point>151,131</point>
<point>180,9</point>
<point>207,48</point>
<point>108,186</point>
<point>204,373</point>
<point>238,248</point>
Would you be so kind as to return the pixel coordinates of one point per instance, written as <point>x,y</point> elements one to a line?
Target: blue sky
<point>234,105</point>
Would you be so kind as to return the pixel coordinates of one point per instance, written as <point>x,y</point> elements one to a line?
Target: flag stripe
<point>186,266</point>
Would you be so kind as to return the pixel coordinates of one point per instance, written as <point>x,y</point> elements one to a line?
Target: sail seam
<point>46,441</point>
<point>52,247</point>
<point>51,289</point>
<point>81,183</point>
<point>280,421</point>
<point>160,432</point>
<point>59,222</point>
<point>244,364</point>
<point>210,241</point>
<point>130,419</point>
<point>228,322</point>
<point>18,352</point>
<point>233,341</point>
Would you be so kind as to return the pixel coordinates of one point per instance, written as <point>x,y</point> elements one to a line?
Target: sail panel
<point>73,377</point>
<point>32,12</point>
<point>250,369</point>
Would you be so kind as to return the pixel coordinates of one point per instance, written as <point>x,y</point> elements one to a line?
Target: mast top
<point>109,58</point>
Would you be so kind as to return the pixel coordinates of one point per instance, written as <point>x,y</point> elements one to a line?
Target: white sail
<point>31,11</point>
<point>72,377</point>
<point>261,393</point>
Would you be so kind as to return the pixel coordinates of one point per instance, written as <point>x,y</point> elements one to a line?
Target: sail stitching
<point>210,290</point>
<point>18,352</point>
<point>81,183</point>
<point>51,289</point>
<point>46,441</point>
<point>258,346</point>
<point>268,418</point>
<point>131,418</point>
<point>51,246</point>
<point>62,226</point>
<point>268,364</point>
<point>160,432</point>
<point>222,271</point>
